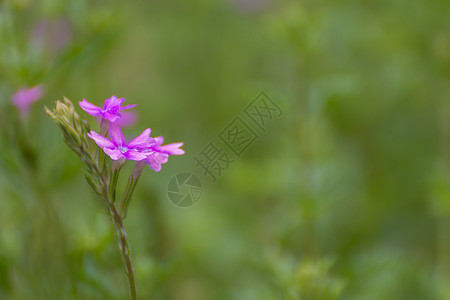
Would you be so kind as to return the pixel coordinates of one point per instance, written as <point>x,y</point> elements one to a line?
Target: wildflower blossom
<point>143,149</point>
<point>24,97</point>
<point>117,148</point>
<point>110,111</point>
<point>160,153</point>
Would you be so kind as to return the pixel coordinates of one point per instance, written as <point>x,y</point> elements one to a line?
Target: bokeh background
<point>346,196</point>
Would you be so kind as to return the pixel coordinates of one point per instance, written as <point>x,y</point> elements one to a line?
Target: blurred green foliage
<point>346,197</point>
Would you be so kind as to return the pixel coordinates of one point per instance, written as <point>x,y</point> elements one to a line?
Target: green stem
<point>127,195</point>
<point>129,190</point>
<point>121,233</point>
<point>123,242</point>
<point>115,171</point>
<point>101,160</point>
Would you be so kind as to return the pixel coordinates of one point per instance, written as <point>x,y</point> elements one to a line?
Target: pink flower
<point>128,119</point>
<point>160,153</point>
<point>111,110</point>
<point>24,97</point>
<point>117,148</point>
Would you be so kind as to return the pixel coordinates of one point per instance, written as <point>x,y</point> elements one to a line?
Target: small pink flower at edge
<point>110,111</point>
<point>160,154</point>
<point>117,148</point>
<point>24,97</point>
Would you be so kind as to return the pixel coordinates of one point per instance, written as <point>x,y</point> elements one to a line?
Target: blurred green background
<point>347,196</point>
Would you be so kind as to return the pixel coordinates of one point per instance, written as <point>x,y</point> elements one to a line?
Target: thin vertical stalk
<point>124,247</point>
<point>115,171</point>
<point>123,242</point>
<point>101,160</point>
<point>127,194</point>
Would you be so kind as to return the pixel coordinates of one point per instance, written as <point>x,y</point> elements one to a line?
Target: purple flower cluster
<point>143,148</point>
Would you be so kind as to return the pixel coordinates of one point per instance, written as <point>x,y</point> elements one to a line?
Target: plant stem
<point>124,249</point>
<point>115,171</point>
<point>117,220</point>
<point>127,194</point>
<point>123,243</point>
<point>129,190</point>
<point>122,234</point>
<point>101,160</point>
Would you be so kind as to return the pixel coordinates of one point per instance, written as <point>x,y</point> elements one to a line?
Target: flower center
<point>110,110</point>
<point>123,149</point>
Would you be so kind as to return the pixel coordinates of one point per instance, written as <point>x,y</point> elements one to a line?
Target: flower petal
<point>144,137</point>
<point>113,102</point>
<point>115,154</point>
<point>116,135</point>
<point>101,141</point>
<point>111,115</point>
<point>172,149</point>
<point>159,140</point>
<point>135,155</point>
<point>155,160</point>
<point>128,106</point>
<point>90,108</point>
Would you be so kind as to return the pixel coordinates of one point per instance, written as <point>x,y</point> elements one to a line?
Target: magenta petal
<point>128,106</point>
<point>116,134</point>
<point>107,101</point>
<point>113,102</point>
<point>90,108</point>
<point>172,149</point>
<point>161,157</point>
<point>146,147</point>
<point>135,155</point>
<point>149,145</point>
<point>155,160</point>
<point>115,154</point>
<point>159,140</point>
<point>155,166</point>
<point>111,115</point>
<point>100,140</point>
<point>144,137</point>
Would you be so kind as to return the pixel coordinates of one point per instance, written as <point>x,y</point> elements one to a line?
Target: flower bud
<point>74,130</point>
